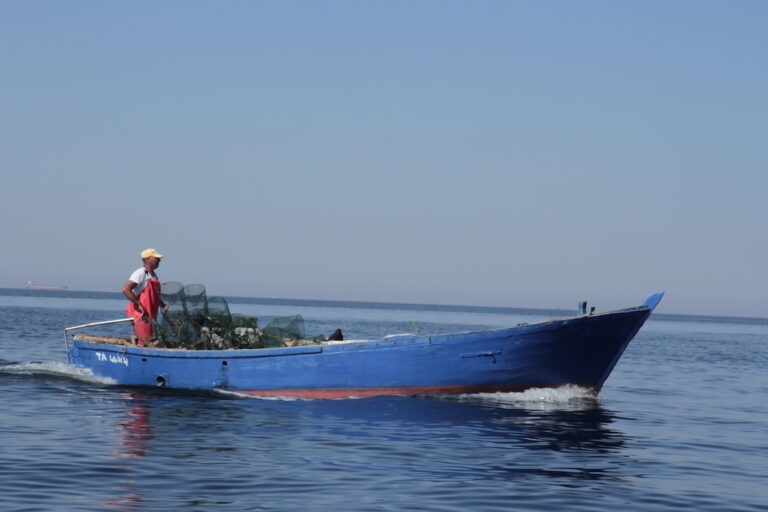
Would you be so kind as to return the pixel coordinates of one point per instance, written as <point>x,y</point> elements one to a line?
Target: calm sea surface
<point>681,424</point>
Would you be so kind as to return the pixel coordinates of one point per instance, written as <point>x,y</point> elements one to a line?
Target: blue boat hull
<point>580,350</point>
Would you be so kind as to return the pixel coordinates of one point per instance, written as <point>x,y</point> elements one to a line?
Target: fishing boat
<point>35,286</point>
<point>576,350</point>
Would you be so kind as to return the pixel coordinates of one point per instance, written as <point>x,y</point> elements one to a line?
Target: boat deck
<point>112,340</point>
<point>131,342</point>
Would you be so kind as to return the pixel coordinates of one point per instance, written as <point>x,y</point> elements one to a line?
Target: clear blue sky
<point>508,153</point>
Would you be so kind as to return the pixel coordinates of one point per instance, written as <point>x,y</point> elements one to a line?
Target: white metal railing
<point>106,322</point>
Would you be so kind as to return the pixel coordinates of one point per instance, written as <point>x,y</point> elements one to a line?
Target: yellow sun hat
<point>150,253</point>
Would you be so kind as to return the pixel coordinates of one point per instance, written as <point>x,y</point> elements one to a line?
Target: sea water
<point>681,424</point>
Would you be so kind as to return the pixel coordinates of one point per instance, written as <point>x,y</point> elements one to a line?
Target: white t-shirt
<point>140,276</point>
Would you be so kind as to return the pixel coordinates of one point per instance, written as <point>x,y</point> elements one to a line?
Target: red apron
<point>149,298</point>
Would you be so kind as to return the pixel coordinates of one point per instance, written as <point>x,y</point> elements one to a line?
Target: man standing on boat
<point>143,290</point>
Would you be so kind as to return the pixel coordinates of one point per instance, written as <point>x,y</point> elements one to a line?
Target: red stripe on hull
<point>412,390</point>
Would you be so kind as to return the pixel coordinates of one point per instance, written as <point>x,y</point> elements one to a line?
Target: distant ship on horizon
<point>32,286</point>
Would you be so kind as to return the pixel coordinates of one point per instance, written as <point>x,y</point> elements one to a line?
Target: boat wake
<point>237,394</point>
<point>52,369</point>
<point>563,398</point>
<point>568,397</point>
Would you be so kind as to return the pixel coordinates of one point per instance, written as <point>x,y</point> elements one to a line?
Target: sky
<point>491,153</point>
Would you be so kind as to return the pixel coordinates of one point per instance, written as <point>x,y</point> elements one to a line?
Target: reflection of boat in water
<point>580,350</point>
<point>572,423</point>
<point>34,286</point>
<point>432,441</point>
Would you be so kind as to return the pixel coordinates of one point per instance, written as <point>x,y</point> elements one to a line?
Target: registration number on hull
<point>112,358</point>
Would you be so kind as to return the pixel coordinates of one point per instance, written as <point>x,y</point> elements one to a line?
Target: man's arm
<point>128,292</point>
